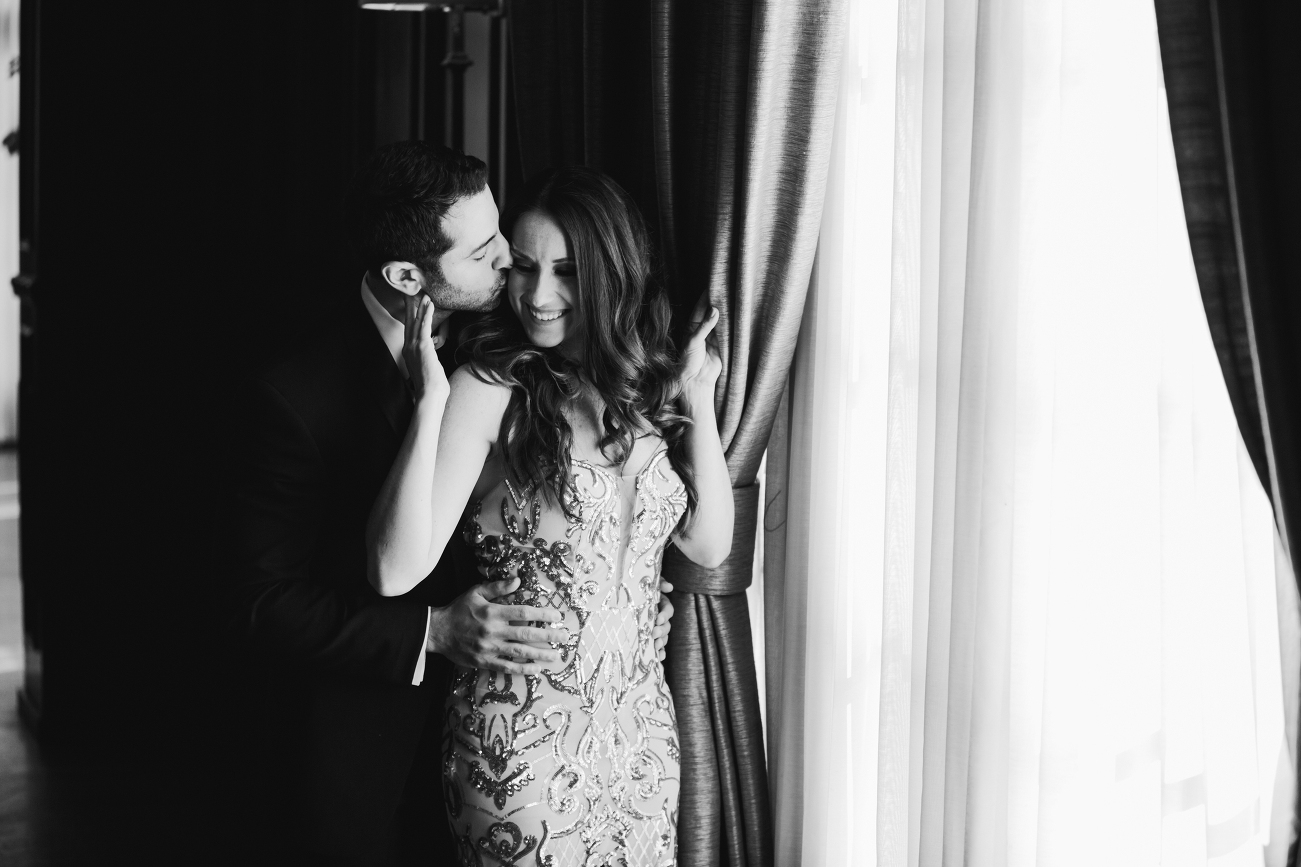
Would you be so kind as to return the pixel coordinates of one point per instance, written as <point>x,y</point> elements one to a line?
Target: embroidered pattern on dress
<point>595,762</point>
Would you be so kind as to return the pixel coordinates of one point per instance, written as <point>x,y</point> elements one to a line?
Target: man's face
<point>474,269</point>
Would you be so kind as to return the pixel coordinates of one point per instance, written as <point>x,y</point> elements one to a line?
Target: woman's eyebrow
<point>563,260</point>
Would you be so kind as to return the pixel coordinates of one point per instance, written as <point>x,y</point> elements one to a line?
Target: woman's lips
<point>546,315</point>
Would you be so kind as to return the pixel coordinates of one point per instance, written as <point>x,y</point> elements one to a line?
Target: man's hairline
<point>436,273</point>
<point>443,218</point>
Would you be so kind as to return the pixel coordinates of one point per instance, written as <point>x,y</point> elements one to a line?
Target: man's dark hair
<point>395,206</point>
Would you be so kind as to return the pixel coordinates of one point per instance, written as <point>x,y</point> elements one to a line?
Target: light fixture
<point>489,7</point>
<point>456,61</point>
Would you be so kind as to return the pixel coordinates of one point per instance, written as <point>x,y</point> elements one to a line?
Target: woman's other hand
<point>707,537</point>
<point>662,620</point>
<point>425,372</point>
<point>701,363</point>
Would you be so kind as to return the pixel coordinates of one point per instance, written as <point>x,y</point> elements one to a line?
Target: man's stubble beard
<point>449,297</point>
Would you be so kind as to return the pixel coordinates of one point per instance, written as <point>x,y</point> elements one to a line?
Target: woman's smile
<point>543,283</point>
<point>545,316</point>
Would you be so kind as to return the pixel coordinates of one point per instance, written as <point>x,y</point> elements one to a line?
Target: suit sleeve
<point>276,522</point>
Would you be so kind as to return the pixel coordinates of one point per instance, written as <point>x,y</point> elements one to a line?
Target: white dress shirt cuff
<point>420,663</point>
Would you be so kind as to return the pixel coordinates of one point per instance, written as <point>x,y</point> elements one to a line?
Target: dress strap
<point>662,450</point>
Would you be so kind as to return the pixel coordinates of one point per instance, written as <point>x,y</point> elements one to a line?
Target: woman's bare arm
<point>452,428</point>
<point>441,457</point>
<point>707,538</point>
<point>421,502</point>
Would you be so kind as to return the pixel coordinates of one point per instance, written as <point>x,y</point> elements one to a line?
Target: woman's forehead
<point>539,236</point>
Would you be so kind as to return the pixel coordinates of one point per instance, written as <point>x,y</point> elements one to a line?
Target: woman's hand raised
<point>707,537</point>
<point>420,350</point>
<point>701,363</point>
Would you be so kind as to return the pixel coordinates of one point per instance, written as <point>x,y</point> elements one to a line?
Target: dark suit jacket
<point>342,722</point>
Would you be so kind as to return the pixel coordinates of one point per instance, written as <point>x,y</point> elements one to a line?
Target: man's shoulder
<point>320,368</point>
<point>325,352</point>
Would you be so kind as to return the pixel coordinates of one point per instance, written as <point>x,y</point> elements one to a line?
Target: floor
<point>17,752</point>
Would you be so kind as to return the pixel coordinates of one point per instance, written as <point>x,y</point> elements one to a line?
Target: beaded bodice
<point>589,748</point>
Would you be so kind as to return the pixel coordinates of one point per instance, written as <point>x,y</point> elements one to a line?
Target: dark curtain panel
<point>1233,82</point>
<point>717,118</point>
<point>744,102</point>
<point>582,79</point>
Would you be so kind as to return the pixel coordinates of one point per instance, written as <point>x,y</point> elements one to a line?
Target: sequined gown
<point>578,766</point>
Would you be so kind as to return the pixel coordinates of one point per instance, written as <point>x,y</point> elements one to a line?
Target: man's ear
<point>404,277</point>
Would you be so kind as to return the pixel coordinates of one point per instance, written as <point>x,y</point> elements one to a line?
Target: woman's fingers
<point>700,311</point>
<point>666,611</point>
<point>427,319</point>
<point>707,327</point>
<point>412,307</point>
<point>702,327</point>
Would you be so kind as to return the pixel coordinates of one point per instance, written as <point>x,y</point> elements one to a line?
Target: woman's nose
<point>542,290</point>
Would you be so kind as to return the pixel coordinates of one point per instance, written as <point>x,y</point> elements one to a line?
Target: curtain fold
<point>717,118</point>
<point>1025,609</point>
<point>1232,80</point>
<point>582,80</point>
<point>1193,80</point>
<point>744,101</point>
<point>1233,85</point>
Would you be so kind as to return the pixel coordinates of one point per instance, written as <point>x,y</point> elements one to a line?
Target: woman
<point>582,446</point>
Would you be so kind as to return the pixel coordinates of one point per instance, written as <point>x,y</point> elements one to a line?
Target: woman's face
<point>543,283</point>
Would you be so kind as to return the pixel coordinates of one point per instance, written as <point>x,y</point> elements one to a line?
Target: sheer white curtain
<point>1020,578</point>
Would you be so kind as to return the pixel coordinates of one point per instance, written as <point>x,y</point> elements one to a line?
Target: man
<point>354,715</point>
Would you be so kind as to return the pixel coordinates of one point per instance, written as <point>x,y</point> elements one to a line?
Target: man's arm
<point>277,486</point>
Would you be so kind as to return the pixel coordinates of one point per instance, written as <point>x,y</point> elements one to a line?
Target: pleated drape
<point>1233,84</point>
<point>717,119</point>
<point>1020,581</point>
<point>582,79</point>
<point>744,106</point>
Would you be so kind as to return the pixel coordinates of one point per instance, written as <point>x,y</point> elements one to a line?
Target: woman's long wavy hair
<point>628,357</point>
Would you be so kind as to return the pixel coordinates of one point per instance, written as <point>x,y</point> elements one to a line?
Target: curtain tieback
<point>734,574</point>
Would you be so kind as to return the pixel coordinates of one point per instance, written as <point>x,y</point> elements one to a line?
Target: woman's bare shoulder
<point>476,401</point>
<point>474,382</point>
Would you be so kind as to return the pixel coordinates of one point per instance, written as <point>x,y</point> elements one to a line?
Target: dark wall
<point>189,165</point>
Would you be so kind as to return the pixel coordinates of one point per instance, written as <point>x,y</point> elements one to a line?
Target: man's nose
<point>504,258</point>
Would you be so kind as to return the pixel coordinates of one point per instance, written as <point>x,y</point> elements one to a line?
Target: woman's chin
<point>544,339</point>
